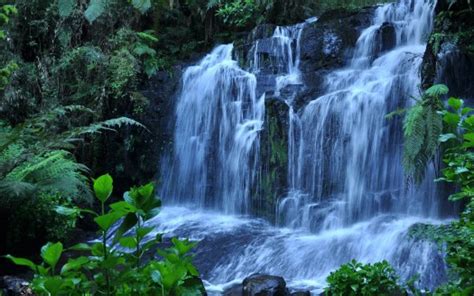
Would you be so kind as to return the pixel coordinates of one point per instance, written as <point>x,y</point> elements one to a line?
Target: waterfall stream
<point>347,195</point>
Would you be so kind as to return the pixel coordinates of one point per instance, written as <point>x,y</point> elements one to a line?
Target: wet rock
<point>301,293</point>
<point>13,286</point>
<point>236,290</point>
<point>273,159</point>
<point>449,56</point>
<point>326,45</point>
<point>388,37</point>
<point>264,285</point>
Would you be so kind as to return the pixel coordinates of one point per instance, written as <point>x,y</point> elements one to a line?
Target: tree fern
<point>422,128</point>
<point>34,156</point>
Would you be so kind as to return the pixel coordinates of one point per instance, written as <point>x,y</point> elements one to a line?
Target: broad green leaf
<point>123,207</point>
<point>103,187</point>
<point>455,103</point>
<point>128,242</point>
<point>51,253</point>
<point>469,123</point>
<point>95,9</point>
<point>466,110</point>
<point>141,5</point>
<point>143,231</point>
<point>437,90</point>
<point>80,247</point>
<point>182,246</point>
<point>107,220</point>
<point>65,7</point>
<point>22,262</point>
<point>74,264</point>
<point>451,118</point>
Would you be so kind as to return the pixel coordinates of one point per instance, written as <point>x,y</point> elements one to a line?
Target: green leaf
<point>446,137</point>
<point>65,7</point>
<point>128,242</point>
<point>51,253</point>
<point>123,207</point>
<point>451,118</point>
<point>141,5</point>
<point>466,110</point>
<point>22,262</point>
<point>80,247</point>
<point>95,9</point>
<point>437,90</point>
<point>455,103</point>
<point>143,231</point>
<point>103,187</point>
<point>182,246</point>
<point>107,220</point>
<point>74,264</point>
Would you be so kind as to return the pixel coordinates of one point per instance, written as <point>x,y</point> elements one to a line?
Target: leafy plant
<point>355,278</point>
<point>115,266</point>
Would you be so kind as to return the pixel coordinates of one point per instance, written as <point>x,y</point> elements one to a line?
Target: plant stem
<point>104,245</point>
<point>138,243</point>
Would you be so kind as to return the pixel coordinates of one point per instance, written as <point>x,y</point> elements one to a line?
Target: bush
<point>115,265</point>
<point>355,278</point>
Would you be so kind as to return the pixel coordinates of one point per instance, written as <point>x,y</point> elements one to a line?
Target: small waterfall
<point>218,118</point>
<point>347,194</point>
<point>345,156</point>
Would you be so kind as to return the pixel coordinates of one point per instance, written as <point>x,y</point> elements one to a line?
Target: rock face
<point>326,45</point>
<point>264,285</point>
<point>388,38</point>
<point>449,57</point>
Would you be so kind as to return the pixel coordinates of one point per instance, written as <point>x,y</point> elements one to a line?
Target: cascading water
<point>348,198</point>
<point>217,122</point>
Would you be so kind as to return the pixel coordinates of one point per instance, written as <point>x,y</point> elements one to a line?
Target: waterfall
<point>218,118</point>
<point>345,155</point>
<point>347,194</point>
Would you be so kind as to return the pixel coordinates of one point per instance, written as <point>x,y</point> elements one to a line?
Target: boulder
<point>387,36</point>
<point>264,285</point>
<point>14,286</point>
<point>236,290</point>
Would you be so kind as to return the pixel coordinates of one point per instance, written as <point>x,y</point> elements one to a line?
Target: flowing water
<point>347,194</point>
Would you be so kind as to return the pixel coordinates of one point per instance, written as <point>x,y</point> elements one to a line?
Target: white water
<point>348,197</point>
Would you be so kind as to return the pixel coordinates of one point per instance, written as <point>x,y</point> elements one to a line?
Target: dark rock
<point>264,285</point>
<point>388,37</point>
<point>449,56</point>
<point>13,286</point>
<point>237,290</point>
<point>273,159</point>
<point>327,44</point>
<point>301,293</point>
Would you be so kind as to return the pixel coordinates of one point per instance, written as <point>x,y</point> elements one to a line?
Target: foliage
<point>6,11</point>
<point>421,127</point>
<point>457,145</point>
<point>355,278</point>
<point>115,267</point>
<point>28,219</point>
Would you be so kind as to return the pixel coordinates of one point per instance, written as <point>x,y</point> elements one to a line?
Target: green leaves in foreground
<point>104,270</point>
<point>355,278</point>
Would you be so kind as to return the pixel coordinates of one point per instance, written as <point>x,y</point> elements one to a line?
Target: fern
<point>422,128</point>
<point>34,157</point>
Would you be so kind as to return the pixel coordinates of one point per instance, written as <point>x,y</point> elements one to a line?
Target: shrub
<point>114,266</point>
<point>355,278</point>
